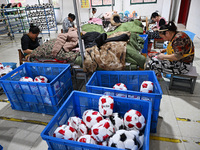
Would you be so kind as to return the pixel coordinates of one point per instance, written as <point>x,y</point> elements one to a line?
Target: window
<point>142,1</point>
<point>96,3</point>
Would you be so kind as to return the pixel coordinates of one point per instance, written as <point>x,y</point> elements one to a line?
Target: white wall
<point>3,2</point>
<point>120,6</point>
<point>166,9</point>
<point>143,9</point>
<point>193,17</point>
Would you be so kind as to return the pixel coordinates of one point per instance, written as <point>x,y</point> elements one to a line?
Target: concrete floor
<point>173,132</point>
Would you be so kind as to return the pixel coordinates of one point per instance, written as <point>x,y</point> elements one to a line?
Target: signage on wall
<point>85,4</point>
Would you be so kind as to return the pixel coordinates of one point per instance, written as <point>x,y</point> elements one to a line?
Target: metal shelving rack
<point>4,30</point>
<point>14,20</point>
<point>43,16</point>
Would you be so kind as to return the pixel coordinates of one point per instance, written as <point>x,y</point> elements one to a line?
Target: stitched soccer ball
<point>26,79</point>
<point>70,134</point>
<point>60,131</point>
<point>146,87</point>
<point>106,104</point>
<point>117,121</point>
<point>77,124</point>
<point>133,119</point>
<point>91,117</point>
<point>120,86</point>
<point>103,130</point>
<point>123,139</point>
<point>41,79</point>
<point>87,139</point>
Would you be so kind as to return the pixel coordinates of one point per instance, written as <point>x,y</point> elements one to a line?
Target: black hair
<point>2,5</point>
<point>72,16</point>
<point>168,27</point>
<point>34,29</point>
<point>9,5</point>
<point>94,9</point>
<point>154,15</point>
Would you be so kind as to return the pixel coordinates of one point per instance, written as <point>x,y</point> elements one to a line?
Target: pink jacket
<point>67,41</point>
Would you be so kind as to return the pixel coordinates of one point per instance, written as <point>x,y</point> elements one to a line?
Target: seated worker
<point>153,33</point>
<point>158,19</point>
<point>29,41</point>
<point>92,15</point>
<point>68,22</point>
<point>180,52</point>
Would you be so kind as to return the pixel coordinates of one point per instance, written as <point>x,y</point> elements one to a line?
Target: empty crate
<point>38,97</point>
<point>76,104</point>
<point>102,82</point>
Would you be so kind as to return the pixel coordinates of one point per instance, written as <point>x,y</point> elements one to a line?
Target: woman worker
<point>68,22</point>
<point>92,15</point>
<point>153,33</point>
<point>158,19</point>
<point>29,41</point>
<point>180,52</point>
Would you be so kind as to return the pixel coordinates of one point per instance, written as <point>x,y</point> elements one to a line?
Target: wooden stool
<point>158,43</point>
<point>188,79</point>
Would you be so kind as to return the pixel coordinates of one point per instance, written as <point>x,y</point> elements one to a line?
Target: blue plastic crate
<point>12,64</point>
<point>38,97</point>
<point>145,37</point>
<point>103,81</point>
<point>76,104</point>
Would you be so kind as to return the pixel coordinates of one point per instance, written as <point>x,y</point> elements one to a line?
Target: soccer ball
<point>106,104</point>
<point>133,119</point>
<point>60,131</point>
<point>77,124</point>
<point>117,121</point>
<point>103,130</point>
<point>91,117</point>
<point>41,79</point>
<point>26,79</point>
<point>87,139</point>
<point>120,86</point>
<point>70,134</point>
<point>104,143</point>
<point>123,139</point>
<point>146,87</point>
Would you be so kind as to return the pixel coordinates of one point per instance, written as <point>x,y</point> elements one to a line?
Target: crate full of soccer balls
<point>38,87</point>
<point>141,85</point>
<point>95,121</point>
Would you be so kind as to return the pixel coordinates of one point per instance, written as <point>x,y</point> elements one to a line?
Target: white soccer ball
<point>60,131</point>
<point>87,139</point>
<point>120,86</point>
<point>123,139</point>
<point>133,119</point>
<point>117,121</point>
<point>106,104</point>
<point>103,130</point>
<point>26,79</point>
<point>91,117</point>
<point>41,79</point>
<point>146,87</point>
<point>70,134</point>
<point>78,124</point>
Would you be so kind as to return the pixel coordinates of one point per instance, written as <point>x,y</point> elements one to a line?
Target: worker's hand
<point>161,56</point>
<point>163,51</point>
<point>27,56</point>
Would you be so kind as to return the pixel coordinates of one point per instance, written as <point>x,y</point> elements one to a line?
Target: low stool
<point>184,81</point>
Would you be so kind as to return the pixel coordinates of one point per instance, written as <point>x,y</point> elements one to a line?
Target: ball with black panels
<point>123,139</point>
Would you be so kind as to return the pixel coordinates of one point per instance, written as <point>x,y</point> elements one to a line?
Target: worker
<point>180,52</point>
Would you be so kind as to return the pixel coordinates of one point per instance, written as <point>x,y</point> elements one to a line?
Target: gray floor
<point>172,133</point>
